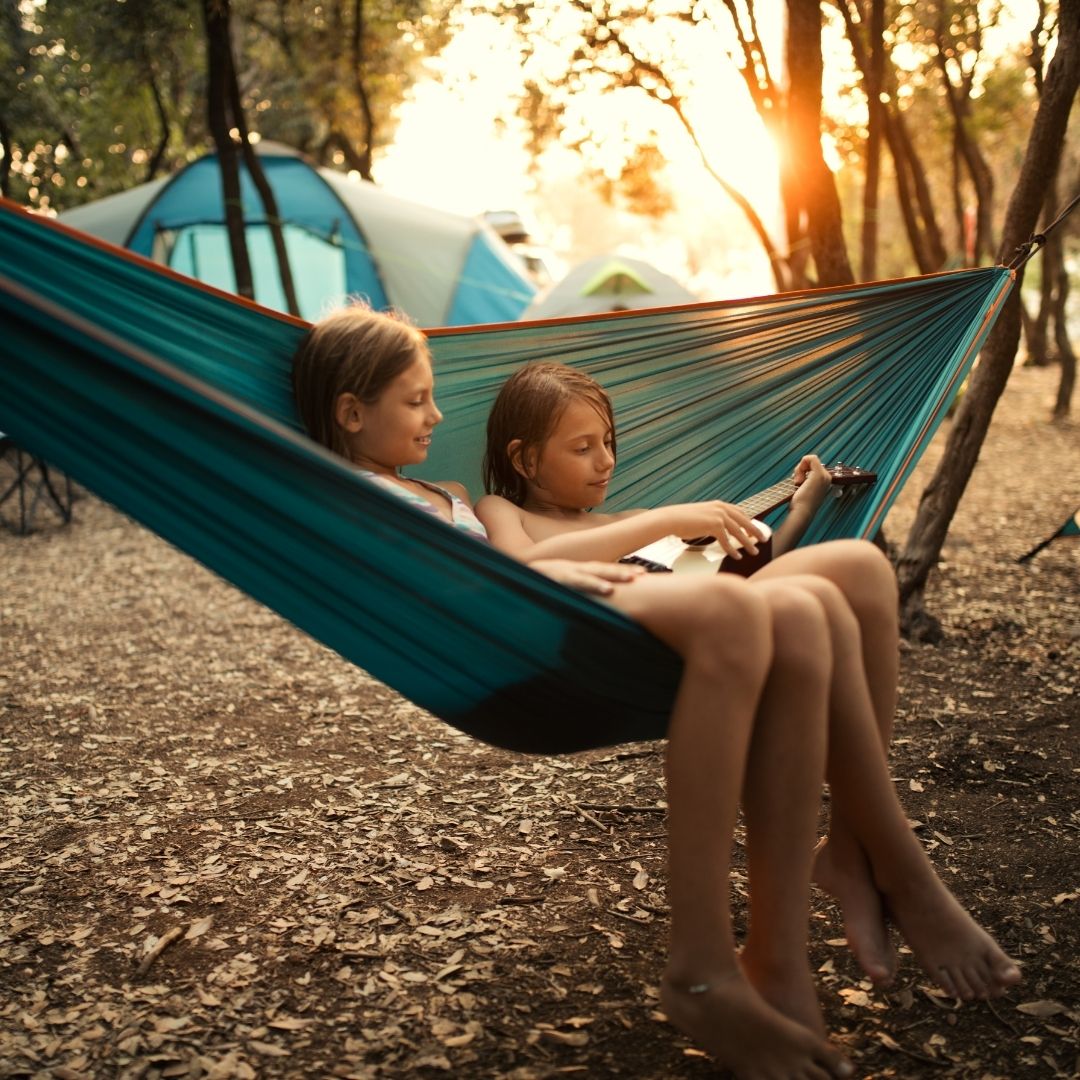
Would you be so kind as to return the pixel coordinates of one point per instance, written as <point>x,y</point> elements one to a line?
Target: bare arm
<point>597,578</point>
<point>814,482</point>
<point>615,539</point>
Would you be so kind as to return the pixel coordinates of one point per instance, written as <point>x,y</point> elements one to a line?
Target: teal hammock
<point>171,401</point>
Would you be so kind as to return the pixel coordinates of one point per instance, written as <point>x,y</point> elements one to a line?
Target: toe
<point>947,982</point>
<point>979,982</point>
<point>874,955</point>
<point>1006,973</point>
<point>965,991</point>
<point>880,972</point>
<point>830,1062</point>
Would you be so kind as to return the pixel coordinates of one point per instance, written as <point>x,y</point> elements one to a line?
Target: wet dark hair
<point>529,407</point>
<point>352,351</point>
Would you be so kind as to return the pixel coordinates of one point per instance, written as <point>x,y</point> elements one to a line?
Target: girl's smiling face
<point>572,469</point>
<point>396,429</point>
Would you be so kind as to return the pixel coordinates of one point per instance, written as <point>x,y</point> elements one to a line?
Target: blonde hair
<point>529,407</point>
<point>352,351</point>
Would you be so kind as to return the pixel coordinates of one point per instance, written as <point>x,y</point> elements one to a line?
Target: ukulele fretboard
<point>766,500</point>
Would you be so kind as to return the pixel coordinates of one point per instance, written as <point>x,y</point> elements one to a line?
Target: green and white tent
<point>345,238</point>
<point>608,283</point>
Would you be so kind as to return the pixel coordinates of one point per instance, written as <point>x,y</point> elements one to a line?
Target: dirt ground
<point>224,852</point>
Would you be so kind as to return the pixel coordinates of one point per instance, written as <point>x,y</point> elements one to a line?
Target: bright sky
<point>459,147</point>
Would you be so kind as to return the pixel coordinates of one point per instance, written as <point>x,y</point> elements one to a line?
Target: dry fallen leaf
<point>567,1038</point>
<point>1041,1009</point>
<point>856,997</point>
<point>199,927</point>
<point>231,766</point>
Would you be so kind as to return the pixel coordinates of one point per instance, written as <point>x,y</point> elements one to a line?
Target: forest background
<point>774,145</point>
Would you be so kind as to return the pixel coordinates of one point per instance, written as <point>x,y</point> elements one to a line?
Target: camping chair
<point>27,481</point>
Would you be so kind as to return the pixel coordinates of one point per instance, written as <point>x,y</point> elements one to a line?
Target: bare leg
<point>723,633</point>
<point>782,802</point>
<point>865,577</point>
<point>946,941</point>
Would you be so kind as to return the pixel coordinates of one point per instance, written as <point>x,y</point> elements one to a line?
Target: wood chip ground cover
<point>225,853</point>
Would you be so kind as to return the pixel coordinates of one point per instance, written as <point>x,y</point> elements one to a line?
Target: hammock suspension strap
<point>1038,240</point>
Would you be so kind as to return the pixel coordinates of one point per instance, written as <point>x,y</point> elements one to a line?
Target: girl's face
<point>395,430</point>
<point>573,467</point>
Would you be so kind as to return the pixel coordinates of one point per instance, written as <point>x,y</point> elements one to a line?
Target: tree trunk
<point>909,211</point>
<point>336,140</point>
<point>1054,283</point>
<point>903,151</point>
<point>11,30</point>
<point>1066,356</point>
<point>958,205</point>
<point>978,170</point>
<point>163,119</point>
<point>821,203</point>
<point>912,188</point>
<point>5,161</point>
<point>1054,256</point>
<point>262,186</point>
<point>361,90</point>
<point>1037,326</point>
<point>216,19</point>
<point>1037,329</point>
<point>794,211</point>
<point>875,78</point>
<point>942,495</point>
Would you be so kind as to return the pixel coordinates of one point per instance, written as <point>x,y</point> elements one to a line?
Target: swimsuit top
<point>463,516</point>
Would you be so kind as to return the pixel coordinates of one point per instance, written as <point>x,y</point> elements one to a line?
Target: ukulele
<point>704,555</point>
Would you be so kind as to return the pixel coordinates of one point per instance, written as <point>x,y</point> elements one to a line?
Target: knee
<point>802,639</point>
<point>865,576</point>
<point>836,603</point>
<point>730,629</point>
<point>872,561</point>
<point>877,591</point>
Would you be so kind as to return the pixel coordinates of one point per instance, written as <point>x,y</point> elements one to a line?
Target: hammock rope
<point>171,401</point>
<point>1038,240</point>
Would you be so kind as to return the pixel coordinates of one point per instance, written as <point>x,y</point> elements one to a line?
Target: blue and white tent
<point>345,238</point>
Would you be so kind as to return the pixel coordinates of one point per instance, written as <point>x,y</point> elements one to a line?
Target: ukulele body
<point>704,555</point>
<point>679,557</point>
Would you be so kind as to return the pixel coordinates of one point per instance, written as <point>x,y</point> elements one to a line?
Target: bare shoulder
<point>456,489</point>
<point>495,507</point>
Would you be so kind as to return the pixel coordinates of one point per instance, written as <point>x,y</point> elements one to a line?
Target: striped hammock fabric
<point>171,401</point>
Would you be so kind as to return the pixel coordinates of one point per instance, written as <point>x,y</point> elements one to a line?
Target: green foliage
<point>98,95</point>
<point>326,76</point>
<point>1000,104</point>
<point>96,92</point>
<point>570,52</point>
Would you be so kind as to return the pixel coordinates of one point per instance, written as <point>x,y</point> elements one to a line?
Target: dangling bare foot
<point>727,1017</point>
<point>952,948</point>
<point>788,989</point>
<point>843,871</point>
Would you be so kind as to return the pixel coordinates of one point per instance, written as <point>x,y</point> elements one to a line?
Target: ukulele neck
<point>769,499</point>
